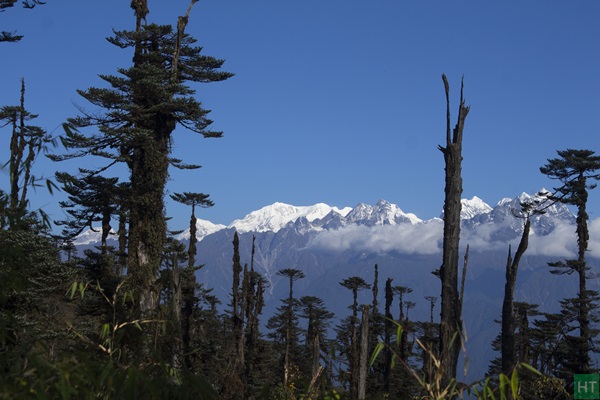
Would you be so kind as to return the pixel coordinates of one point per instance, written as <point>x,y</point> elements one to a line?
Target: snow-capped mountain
<point>277,215</point>
<point>382,213</point>
<point>473,207</point>
<point>506,219</point>
<point>203,229</point>
<point>91,236</point>
<point>501,221</point>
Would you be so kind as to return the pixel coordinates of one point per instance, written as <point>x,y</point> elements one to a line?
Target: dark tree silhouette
<point>451,320</point>
<point>355,284</point>
<point>574,168</point>
<point>193,200</point>
<point>137,116</point>
<point>508,351</point>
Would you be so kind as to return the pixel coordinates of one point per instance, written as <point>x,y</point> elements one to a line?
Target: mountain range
<point>330,244</point>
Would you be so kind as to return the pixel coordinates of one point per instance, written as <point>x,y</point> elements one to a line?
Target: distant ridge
<point>475,212</point>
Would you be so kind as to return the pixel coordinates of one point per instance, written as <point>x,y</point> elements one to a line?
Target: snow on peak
<point>203,229</point>
<point>383,213</point>
<point>473,207</point>
<point>93,236</point>
<point>277,215</point>
<point>504,201</point>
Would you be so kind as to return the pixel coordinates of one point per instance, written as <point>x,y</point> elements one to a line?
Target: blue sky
<point>337,101</point>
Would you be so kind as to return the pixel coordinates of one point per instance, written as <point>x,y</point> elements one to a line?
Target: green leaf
<point>514,383</point>
<point>399,334</point>
<point>489,393</point>
<point>532,369</point>
<point>376,352</point>
<point>72,289</point>
<point>105,331</point>
<point>504,382</point>
<point>452,339</point>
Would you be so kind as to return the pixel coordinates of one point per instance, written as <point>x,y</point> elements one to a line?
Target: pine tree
<point>91,199</point>
<point>193,200</point>
<point>172,282</point>
<point>189,285</point>
<point>401,291</point>
<point>34,314</point>
<point>354,284</point>
<point>26,143</point>
<point>284,325</point>
<point>235,388</point>
<point>138,115</point>
<point>573,169</point>
<point>318,319</point>
<point>389,298</point>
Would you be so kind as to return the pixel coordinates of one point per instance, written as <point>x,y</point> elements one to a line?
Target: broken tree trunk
<point>451,323</point>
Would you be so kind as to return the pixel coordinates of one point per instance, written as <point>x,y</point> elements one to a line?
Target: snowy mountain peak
<point>277,215</point>
<point>383,203</point>
<point>93,236</point>
<point>473,207</point>
<point>203,229</point>
<point>383,213</point>
<point>504,201</point>
<point>320,216</point>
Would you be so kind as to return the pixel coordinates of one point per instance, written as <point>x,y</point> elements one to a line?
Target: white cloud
<point>426,238</point>
<point>480,238</point>
<point>561,242</point>
<point>594,243</point>
<point>406,238</point>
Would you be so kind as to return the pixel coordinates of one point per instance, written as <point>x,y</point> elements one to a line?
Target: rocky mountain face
<point>330,244</point>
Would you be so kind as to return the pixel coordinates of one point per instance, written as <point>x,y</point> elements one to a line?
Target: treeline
<point>132,321</point>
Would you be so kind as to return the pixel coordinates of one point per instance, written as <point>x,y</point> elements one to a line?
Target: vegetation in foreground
<point>133,322</point>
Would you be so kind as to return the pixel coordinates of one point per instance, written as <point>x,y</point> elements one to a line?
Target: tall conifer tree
<point>574,169</point>
<point>137,116</point>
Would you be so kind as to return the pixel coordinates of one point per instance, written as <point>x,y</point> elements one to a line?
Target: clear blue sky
<point>339,101</point>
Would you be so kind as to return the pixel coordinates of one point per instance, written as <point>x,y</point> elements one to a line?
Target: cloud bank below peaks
<point>425,238</point>
<point>421,238</point>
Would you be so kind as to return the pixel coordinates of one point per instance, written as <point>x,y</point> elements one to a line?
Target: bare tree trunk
<point>181,24</point>
<point>316,356</point>
<point>451,323</point>
<point>122,264</point>
<point>463,278</point>
<point>508,316</point>
<point>177,302</point>
<point>241,338</point>
<point>364,353</point>
<point>389,298</point>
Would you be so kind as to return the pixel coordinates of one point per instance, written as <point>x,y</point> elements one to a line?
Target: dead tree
<point>451,321</point>
<point>364,353</point>
<point>508,354</point>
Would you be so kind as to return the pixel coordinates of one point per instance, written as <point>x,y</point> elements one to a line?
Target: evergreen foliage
<point>11,37</point>
<point>574,169</point>
<point>134,321</point>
